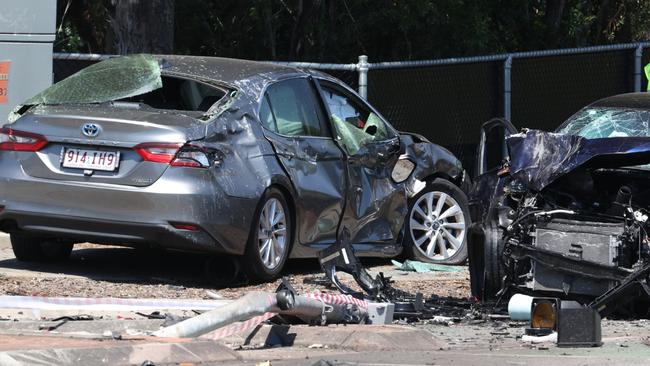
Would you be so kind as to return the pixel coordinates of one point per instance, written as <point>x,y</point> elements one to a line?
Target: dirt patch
<point>106,271</point>
<point>447,286</point>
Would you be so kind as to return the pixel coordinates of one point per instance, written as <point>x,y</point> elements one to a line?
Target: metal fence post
<point>507,88</point>
<point>638,54</point>
<point>362,68</point>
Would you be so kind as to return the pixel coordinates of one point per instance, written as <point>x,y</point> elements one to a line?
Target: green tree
<point>339,30</point>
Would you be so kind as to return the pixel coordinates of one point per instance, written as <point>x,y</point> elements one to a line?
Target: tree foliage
<point>339,30</point>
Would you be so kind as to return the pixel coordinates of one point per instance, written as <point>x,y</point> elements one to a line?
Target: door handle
<point>285,152</point>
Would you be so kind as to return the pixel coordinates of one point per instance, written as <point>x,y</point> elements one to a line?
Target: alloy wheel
<point>272,233</point>
<point>437,225</point>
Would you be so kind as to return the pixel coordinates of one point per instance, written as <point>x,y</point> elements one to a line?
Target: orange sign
<point>4,81</point>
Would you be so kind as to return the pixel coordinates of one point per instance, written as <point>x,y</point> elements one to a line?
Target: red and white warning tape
<point>239,327</point>
<point>338,299</point>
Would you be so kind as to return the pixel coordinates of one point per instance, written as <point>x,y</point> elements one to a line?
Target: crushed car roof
<point>226,70</point>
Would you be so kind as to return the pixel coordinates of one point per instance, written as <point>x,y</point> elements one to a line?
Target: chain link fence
<point>447,101</point>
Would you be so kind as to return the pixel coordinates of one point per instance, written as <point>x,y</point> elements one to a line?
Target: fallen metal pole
<point>258,303</point>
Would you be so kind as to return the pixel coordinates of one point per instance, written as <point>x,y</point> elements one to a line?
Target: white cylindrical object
<point>519,307</point>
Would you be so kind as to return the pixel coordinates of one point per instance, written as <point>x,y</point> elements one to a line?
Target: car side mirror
<point>371,130</point>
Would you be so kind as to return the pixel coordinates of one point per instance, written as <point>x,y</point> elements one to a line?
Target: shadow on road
<point>127,265</point>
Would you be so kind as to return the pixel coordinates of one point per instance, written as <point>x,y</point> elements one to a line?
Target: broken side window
<point>355,125</point>
<point>593,123</point>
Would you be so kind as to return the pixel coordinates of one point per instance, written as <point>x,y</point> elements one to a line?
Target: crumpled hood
<point>538,158</point>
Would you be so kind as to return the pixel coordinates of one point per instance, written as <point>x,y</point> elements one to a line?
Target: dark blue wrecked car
<point>564,213</point>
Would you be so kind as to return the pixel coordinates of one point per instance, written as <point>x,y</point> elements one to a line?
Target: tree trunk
<point>270,28</point>
<point>553,18</point>
<point>303,15</point>
<point>143,26</point>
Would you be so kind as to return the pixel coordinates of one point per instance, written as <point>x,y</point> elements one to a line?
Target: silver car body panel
<point>139,203</point>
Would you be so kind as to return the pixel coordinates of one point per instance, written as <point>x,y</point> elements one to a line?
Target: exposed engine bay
<point>568,218</point>
<point>579,236</point>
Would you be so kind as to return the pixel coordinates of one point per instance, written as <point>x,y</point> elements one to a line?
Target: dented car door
<point>376,206</point>
<point>295,126</point>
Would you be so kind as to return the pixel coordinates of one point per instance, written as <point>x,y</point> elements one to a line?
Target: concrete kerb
<point>343,337</point>
<point>183,351</point>
<point>76,346</point>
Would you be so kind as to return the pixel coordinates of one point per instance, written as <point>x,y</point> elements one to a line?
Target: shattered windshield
<point>112,79</point>
<point>595,123</point>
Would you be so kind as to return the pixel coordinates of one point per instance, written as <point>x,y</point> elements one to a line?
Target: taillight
<point>174,154</point>
<point>191,156</point>
<point>12,140</point>
<point>158,152</point>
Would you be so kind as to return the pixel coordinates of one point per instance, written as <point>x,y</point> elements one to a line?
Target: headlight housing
<point>402,169</point>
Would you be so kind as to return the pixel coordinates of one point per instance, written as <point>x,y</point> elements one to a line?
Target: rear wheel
<point>436,226</point>
<point>270,238</point>
<point>29,248</point>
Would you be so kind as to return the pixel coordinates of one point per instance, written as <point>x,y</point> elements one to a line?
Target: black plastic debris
<point>578,326</point>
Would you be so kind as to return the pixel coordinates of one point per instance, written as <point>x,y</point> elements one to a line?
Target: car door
<point>376,206</point>
<point>296,126</point>
<point>491,154</point>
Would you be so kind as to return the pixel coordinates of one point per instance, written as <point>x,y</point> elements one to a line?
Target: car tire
<point>486,262</point>
<point>29,248</point>
<point>436,224</point>
<point>271,232</point>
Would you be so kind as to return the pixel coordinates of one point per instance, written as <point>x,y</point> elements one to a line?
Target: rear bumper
<point>112,214</point>
<point>111,232</point>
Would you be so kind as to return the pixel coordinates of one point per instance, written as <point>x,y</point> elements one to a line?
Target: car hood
<point>538,158</point>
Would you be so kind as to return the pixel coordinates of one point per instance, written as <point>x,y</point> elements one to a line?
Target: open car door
<point>491,154</point>
<point>484,243</point>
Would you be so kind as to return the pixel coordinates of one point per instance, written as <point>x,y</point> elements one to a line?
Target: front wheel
<point>436,224</point>
<point>270,238</point>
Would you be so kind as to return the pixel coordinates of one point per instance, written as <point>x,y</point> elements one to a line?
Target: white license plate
<point>90,159</point>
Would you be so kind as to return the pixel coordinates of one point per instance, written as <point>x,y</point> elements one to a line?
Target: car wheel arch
<point>281,184</point>
<point>430,179</point>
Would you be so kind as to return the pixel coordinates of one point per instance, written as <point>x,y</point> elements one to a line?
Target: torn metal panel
<point>538,158</point>
<point>376,206</point>
<point>432,161</point>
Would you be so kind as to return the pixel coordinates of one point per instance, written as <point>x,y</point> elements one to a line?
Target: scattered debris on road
<point>422,267</point>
